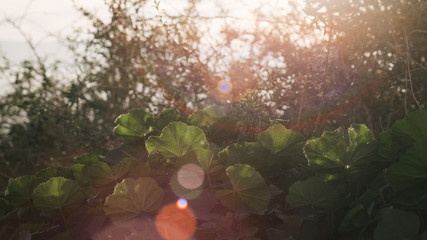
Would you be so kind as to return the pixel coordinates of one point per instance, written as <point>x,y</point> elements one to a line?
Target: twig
<point>409,71</point>
<point>325,73</point>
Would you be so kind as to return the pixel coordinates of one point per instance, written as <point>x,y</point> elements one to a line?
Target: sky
<point>48,22</point>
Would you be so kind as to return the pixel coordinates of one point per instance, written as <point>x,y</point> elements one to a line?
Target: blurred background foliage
<point>328,63</point>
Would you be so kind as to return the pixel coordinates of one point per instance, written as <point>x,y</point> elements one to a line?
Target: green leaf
<point>387,148</point>
<point>337,149</point>
<point>80,173</point>
<point>207,117</point>
<point>57,193</point>
<point>411,129</point>
<point>410,169</point>
<point>132,197</point>
<point>277,138</point>
<point>312,192</point>
<point>90,158</point>
<point>20,190</point>
<point>133,124</point>
<point>51,172</point>
<point>251,153</point>
<point>102,174</point>
<point>356,218</point>
<point>5,207</point>
<point>205,158</point>
<point>248,189</point>
<point>166,116</point>
<point>176,140</point>
<point>397,225</point>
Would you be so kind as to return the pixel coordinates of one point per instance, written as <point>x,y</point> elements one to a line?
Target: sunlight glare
<point>182,203</point>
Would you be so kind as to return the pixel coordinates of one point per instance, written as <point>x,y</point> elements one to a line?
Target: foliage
<point>322,66</point>
<point>281,155</point>
<point>325,198</point>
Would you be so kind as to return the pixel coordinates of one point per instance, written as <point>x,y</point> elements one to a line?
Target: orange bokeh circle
<point>173,223</point>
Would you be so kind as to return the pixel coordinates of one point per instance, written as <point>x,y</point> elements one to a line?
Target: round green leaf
<point>133,124</point>
<point>90,158</point>
<point>277,138</point>
<point>355,218</point>
<point>57,193</point>
<point>313,192</point>
<point>176,140</point>
<point>397,225</point>
<point>132,197</point>
<point>51,172</point>
<point>410,169</point>
<point>207,117</point>
<point>102,174</point>
<point>411,129</point>
<point>251,153</point>
<point>248,189</point>
<point>20,190</point>
<point>338,149</point>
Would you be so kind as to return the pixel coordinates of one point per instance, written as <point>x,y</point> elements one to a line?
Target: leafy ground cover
<point>199,178</point>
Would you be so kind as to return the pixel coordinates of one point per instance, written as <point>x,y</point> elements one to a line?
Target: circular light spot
<point>225,86</point>
<point>190,176</point>
<point>182,203</point>
<point>175,224</point>
<point>181,191</point>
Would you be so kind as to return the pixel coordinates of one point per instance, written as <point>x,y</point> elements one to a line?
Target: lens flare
<point>190,176</point>
<point>173,223</point>
<point>182,203</point>
<point>225,86</point>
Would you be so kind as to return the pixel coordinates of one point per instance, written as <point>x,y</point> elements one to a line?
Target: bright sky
<point>48,22</point>
<point>45,20</point>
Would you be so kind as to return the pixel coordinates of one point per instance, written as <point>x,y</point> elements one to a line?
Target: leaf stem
<point>63,218</point>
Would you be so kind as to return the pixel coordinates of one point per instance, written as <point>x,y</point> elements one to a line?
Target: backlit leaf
<point>132,197</point>
<point>133,124</point>
<point>247,189</point>
<point>277,138</point>
<point>338,149</point>
<point>57,193</point>
<point>102,173</point>
<point>176,140</point>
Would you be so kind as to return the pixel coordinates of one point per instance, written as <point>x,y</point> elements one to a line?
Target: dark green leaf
<point>251,153</point>
<point>397,225</point>
<point>356,218</point>
<point>411,129</point>
<point>20,190</point>
<point>90,158</point>
<point>312,192</point>
<point>51,172</point>
<point>410,169</point>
